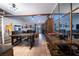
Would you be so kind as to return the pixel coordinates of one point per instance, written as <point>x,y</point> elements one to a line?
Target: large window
<point>66,19</point>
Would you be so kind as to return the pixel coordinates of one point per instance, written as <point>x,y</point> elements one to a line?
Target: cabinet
<point>8,53</point>
<point>6,50</point>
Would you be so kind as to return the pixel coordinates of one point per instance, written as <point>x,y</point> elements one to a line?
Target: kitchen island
<point>6,50</point>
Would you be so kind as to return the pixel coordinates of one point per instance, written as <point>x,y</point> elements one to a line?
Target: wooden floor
<point>40,48</point>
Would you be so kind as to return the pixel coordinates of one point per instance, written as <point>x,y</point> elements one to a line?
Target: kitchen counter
<point>6,50</point>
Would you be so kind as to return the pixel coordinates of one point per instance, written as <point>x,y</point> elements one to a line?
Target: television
<point>77,26</point>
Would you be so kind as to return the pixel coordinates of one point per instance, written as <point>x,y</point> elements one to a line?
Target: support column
<point>59,17</point>
<point>71,21</point>
<point>2,30</point>
<point>71,28</point>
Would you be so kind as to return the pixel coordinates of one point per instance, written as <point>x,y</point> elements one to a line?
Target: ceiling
<point>36,9</point>
<point>65,8</point>
<point>28,8</point>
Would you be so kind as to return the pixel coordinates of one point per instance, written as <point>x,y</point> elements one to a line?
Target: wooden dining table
<point>19,37</point>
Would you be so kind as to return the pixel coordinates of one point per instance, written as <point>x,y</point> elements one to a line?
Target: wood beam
<point>59,18</point>
<point>70,28</point>
<point>26,15</point>
<point>71,21</point>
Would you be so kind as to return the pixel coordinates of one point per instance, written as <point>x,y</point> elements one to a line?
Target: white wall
<point>14,21</point>
<point>24,20</point>
<point>21,21</point>
<point>7,21</point>
<point>35,19</point>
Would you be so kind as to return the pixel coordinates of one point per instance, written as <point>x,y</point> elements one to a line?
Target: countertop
<point>5,48</point>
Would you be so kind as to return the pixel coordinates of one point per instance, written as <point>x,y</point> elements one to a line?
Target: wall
<point>6,21</point>
<point>21,21</point>
<point>32,20</point>
<point>35,19</point>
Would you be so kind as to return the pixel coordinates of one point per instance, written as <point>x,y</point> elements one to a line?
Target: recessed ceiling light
<point>32,17</point>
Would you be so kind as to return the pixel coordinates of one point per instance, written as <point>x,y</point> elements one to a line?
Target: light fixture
<point>13,7</point>
<point>32,17</point>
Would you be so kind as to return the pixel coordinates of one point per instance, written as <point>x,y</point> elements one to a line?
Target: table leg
<point>32,41</point>
<point>12,40</point>
<point>20,39</point>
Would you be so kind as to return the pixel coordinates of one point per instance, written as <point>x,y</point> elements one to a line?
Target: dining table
<point>20,36</point>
